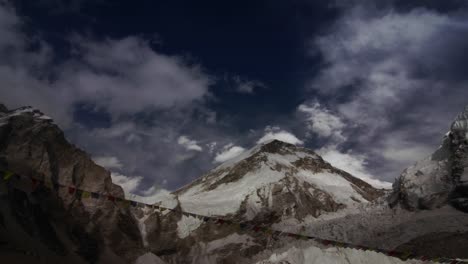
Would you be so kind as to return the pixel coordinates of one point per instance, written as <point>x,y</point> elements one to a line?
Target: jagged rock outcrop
<point>69,228</point>
<point>440,178</point>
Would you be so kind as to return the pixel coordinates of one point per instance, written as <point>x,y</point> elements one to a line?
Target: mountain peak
<point>440,178</point>
<point>276,146</point>
<point>275,177</point>
<point>461,122</point>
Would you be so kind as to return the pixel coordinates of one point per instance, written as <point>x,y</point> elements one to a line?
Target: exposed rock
<point>32,146</point>
<point>441,178</point>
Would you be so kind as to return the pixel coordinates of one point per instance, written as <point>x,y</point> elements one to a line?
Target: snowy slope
<point>332,255</point>
<point>27,110</point>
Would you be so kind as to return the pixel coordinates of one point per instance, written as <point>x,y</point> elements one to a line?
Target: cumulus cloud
<point>395,71</point>
<point>113,71</point>
<point>189,144</point>
<point>119,76</point>
<point>323,122</point>
<point>281,135</point>
<point>229,152</point>
<point>352,163</point>
<point>128,183</point>
<point>131,184</point>
<point>108,162</point>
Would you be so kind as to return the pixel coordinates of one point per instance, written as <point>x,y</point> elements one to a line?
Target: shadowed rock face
<point>32,146</point>
<point>441,178</point>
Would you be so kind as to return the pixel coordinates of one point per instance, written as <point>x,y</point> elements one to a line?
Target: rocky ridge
<point>67,228</point>
<point>441,178</point>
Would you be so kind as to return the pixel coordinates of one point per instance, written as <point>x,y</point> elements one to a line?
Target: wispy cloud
<point>229,152</point>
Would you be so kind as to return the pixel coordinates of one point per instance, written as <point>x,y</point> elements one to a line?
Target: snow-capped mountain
<point>278,179</point>
<point>440,178</point>
<point>273,185</point>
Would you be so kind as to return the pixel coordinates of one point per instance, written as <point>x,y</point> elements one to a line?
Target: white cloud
<point>282,136</point>
<point>108,162</point>
<point>118,76</point>
<point>323,122</point>
<point>128,183</point>
<point>393,71</point>
<point>189,144</point>
<point>131,184</point>
<point>401,150</point>
<point>229,151</point>
<point>352,163</point>
<point>116,70</point>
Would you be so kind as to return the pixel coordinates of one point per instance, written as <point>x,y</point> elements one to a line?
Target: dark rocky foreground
<point>50,223</point>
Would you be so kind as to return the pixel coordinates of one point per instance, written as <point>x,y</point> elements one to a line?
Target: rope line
<point>246,226</point>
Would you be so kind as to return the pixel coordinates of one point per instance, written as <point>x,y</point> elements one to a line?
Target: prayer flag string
<point>125,203</point>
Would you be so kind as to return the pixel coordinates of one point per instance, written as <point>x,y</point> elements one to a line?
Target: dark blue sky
<point>260,40</point>
<point>160,91</point>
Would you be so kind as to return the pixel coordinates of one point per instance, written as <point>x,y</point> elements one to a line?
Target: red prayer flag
<point>71,190</point>
<point>111,198</point>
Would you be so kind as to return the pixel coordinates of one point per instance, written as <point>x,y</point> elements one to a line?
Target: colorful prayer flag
<point>79,193</point>
<point>85,195</point>
<point>95,195</point>
<point>133,203</point>
<point>7,175</point>
<point>110,198</point>
<point>71,190</point>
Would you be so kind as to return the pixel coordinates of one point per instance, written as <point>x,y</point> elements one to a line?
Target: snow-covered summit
<point>461,122</point>
<point>36,114</point>
<point>275,178</point>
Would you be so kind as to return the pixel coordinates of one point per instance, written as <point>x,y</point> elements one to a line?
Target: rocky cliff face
<point>440,178</point>
<point>67,227</point>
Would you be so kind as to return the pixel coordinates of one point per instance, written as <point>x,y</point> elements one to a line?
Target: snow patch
<point>335,185</point>
<point>235,238</point>
<point>142,225</point>
<point>332,255</point>
<point>186,225</point>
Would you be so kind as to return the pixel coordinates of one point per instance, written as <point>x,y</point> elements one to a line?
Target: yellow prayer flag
<point>85,194</point>
<point>7,175</point>
<point>48,183</point>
